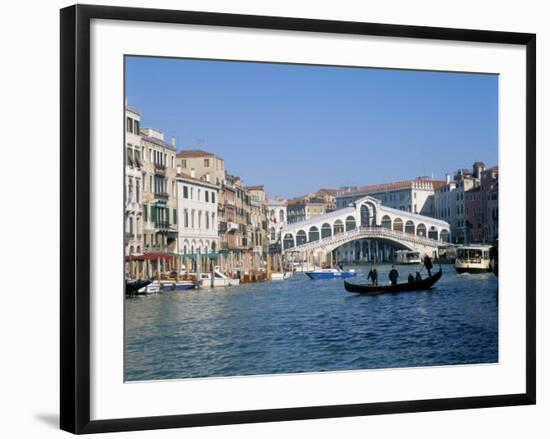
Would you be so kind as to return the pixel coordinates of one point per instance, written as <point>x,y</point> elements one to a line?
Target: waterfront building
<point>258,218</point>
<point>233,218</point>
<point>133,218</point>
<point>414,195</point>
<point>277,218</point>
<point>205,165</point>
<point>489,182</point>
<point>160,217</point>
<point>463,203</point>
<point>197,210</point>
<point>299,210</point>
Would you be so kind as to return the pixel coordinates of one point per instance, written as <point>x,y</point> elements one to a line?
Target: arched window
<point>386,222</point>
<point>138,250</point>
<point>398,224</point>
<point>272,233</point>
<point>444,235</point>
<point>421,230</point>
<point>433,234</point>
<point>288,241</point>
<point>326,231</point>
<point>409,227</point>
<point>350,223</point>
<point>282,216</point>
<point>313,234</point>
<point>131,249</point>
<point>301,237</point>
<point>338,227</point>
<point>365,216</point>
<point>213,247</point>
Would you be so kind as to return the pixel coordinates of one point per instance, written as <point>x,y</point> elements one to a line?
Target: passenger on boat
<point>428,264</point>
<point>418,278</point>
<point>410,279</point>
<point>393,275</point>
<point>373,275</point>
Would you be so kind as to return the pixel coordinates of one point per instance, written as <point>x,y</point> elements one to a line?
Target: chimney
<point>207,177</point>
<point>178,169</point>
<point>447,178</point>
<point>192,173</point>
<point>173,141</point>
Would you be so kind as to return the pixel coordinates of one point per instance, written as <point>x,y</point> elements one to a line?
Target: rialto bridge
<point>366,219</point>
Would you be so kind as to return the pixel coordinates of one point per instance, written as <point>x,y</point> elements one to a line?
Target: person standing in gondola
<point>428,264</point>
<point>373,275</point>
<point>410,279</point>
<point>393,275</point>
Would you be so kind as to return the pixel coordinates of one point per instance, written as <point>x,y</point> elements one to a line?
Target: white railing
<point>366,232</point>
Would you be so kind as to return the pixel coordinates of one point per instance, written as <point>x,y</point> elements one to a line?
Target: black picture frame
<point>75,217</point>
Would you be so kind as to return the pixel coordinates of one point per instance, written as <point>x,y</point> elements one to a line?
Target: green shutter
<point>145,212</point>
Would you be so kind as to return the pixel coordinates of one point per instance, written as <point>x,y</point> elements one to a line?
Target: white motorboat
<point>281,276</point>
<point>407,257</point>
<point>473,259</point>
<point>220,280</point>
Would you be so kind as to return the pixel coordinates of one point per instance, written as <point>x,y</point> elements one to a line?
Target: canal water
<point>303,325</point>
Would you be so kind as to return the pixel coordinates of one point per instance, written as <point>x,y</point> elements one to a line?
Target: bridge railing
<point>366,232</point>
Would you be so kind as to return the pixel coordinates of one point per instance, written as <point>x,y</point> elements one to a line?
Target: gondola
<point>133,286</point>
<point>373,290</point>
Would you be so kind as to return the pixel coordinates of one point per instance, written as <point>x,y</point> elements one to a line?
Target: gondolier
<point>393,275</point>
<point>428,264</point>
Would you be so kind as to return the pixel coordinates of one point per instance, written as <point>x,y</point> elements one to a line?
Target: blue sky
<point>297,128</point>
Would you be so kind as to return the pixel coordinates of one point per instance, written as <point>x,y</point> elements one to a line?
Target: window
<point>193,219</point>
<point>206,163</point>
<point>213,197</point>
<point>185,192</point>
<point>206,197</point>
<point>128,124</point>
<point>136,127</point>
<point>175,216</point>
<point>184,163</point>
<point>199,219</point>
<point>185,218</point>
<point>207,220</point>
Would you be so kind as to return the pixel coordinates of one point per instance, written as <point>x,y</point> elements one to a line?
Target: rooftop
<point>157,142</point>
<point>196,153</point>
<point>383,187</point>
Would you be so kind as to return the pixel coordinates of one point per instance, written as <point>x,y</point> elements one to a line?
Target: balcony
<point>163,195</point>
<point>231,226</point>
<point>165,227</point>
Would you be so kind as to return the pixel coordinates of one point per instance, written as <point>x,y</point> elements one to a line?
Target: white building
<point>276,219</point>
<point>415,196</point>
<point>197,209</point>
<point>133,214</point>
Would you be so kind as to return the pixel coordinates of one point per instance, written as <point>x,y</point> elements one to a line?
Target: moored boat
<point>373,290</point>
<point>473,259</point>
<point>407,257</point>
<point>330,273</point>
<point>134,286</point>
<point>281,275</point>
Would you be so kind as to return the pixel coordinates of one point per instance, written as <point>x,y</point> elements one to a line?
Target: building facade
<point>304,210</point>
<point>205,165</point>
<point>160,217</point>
<point>258,219</point>
<point>198,215</point>
<point>277,218</point>
<point>416,196</point>
<point>133,213</point>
